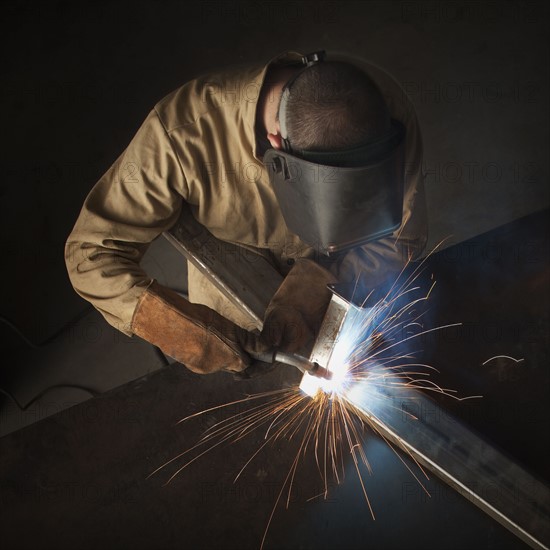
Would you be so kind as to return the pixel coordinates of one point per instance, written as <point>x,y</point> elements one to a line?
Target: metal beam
<point>442,444</point>
<point>245,278</point>
<point>408,419</point>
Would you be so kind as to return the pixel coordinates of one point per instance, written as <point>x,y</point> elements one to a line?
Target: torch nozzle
<point>320,371</point>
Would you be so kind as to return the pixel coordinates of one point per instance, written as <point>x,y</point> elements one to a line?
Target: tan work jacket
<point>199,145</point>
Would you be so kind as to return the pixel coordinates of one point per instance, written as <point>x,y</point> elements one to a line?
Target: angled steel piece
<point>247,279</point>
<point>475,469</point>
<point>406,418</point>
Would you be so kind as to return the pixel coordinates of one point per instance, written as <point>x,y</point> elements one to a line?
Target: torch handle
<point>293,359</point>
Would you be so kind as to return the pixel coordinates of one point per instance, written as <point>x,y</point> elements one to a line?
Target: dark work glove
<point>256,369</point>
<point>296,311</point>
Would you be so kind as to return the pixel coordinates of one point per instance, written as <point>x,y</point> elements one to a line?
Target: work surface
<point>79,479</point>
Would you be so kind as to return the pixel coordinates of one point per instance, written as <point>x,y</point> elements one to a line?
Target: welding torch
<point>295,360</point>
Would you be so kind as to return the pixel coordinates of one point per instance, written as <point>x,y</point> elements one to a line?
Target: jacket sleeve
<point>374,263</point>
<point>137,199</point>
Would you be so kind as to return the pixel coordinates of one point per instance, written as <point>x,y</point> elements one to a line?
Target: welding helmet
<point>337,200</point>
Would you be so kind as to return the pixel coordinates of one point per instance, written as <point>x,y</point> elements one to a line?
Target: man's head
<point>337,159</point>
<point>332,105</point>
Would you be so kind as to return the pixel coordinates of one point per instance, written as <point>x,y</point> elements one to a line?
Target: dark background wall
<point>77,81</point>
<point>79,78</point>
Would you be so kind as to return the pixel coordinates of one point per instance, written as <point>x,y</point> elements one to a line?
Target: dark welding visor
<point>339,200</point>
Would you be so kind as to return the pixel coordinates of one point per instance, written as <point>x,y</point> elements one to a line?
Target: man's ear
<point>275,140</point>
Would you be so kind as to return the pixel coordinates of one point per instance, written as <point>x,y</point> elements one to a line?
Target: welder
<point>311,161</point>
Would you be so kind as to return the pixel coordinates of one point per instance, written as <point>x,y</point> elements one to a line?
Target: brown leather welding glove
<point>192,334</point>
<point>295,313</point>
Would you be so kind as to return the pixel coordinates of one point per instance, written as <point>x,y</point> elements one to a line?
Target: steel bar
<point>423,430</point>
<point>406,418</point>
<point>247,279</point>
<point>479,472</point>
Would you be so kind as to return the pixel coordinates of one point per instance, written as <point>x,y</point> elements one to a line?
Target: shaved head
<point>335,105</point>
